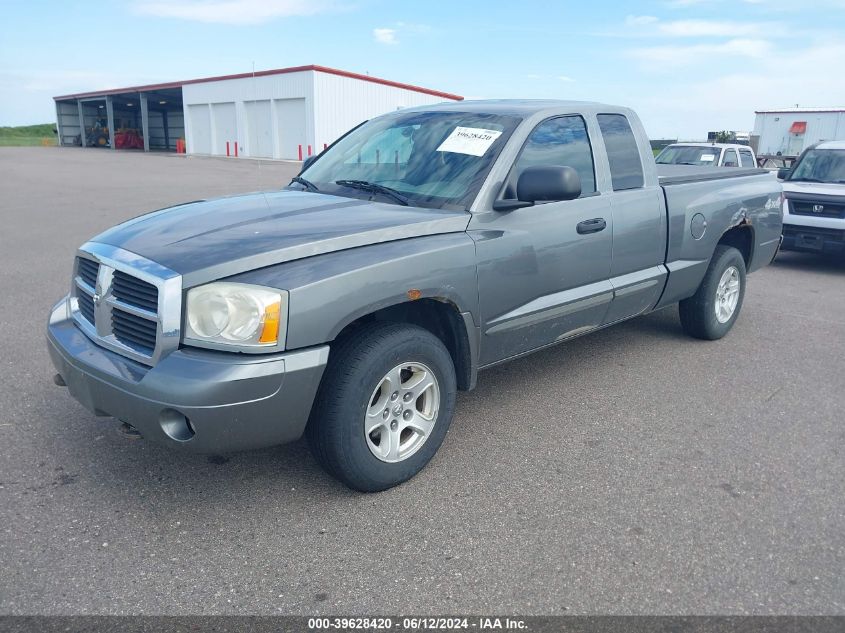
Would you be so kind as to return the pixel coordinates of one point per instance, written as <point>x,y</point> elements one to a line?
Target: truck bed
<point>677,174</point>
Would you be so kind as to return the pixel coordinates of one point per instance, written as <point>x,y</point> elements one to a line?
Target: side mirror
<point>308,162</point>
<point>783,173</point>
<point>543,183</point>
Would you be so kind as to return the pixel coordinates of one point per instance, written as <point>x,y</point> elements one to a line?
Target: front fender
<point>328,292</point>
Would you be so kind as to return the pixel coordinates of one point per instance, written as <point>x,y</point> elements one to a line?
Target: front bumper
<point>811,239</point>
<point>197,400</point>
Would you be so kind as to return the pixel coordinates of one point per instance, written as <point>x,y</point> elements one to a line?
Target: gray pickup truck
<point>421,247</point>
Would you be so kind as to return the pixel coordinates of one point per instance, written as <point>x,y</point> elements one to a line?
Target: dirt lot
<point>630,471</point>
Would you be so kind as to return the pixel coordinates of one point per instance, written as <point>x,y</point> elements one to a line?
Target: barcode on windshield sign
<point>469,140</point>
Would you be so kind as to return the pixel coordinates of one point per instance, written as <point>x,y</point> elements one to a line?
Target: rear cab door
<point>637,271</point>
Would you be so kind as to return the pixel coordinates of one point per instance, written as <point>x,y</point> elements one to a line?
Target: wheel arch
<point>740,237</point>
<point>440,316</point>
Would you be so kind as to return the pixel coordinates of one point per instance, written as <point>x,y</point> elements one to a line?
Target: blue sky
<point>688,66</point>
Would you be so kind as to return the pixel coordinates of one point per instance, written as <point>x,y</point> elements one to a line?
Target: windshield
<point>689,155</point>
<point>821,165</point>
<point>431,159</point>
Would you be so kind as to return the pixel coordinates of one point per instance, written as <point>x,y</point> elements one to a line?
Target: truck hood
<point>814,188</point>
<point>218,238</point>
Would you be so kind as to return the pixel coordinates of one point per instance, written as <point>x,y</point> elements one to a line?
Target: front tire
<point>384,405</point>
<point>712,311</point>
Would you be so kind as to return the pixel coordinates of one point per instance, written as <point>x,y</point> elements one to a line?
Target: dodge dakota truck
<point>814,200</point>
<point>420,248</point>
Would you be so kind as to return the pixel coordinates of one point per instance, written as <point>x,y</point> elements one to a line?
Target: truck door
<point>639,222</point>
<point>543,270</point>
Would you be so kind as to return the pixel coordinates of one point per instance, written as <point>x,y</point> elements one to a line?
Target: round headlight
<point>208,312</point>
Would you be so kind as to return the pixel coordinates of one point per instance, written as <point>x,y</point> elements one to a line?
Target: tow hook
<point>58,380</point>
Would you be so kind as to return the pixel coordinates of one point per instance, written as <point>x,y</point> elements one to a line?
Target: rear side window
<point>730,159</point>
<point>626,169</point>
<point>561,141</point>
<point>747,158</point>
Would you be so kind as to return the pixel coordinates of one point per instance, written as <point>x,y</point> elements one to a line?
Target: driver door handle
<point>591,226</point>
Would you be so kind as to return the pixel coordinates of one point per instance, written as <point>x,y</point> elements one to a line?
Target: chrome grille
<point>88,270</point>
<point>86,307</point>
<point>126,303</point>
<point>817,209</point>
<point>134,291</point>
<point>134,331</point>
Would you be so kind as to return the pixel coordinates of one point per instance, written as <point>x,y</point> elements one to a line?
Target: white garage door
<point>225,128</point>
<point>259,125</point>
<point>200,122</point>
<point>290,117</point>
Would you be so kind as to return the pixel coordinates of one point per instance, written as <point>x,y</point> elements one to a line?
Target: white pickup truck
<point>707,155</point>
<point>814,200</point>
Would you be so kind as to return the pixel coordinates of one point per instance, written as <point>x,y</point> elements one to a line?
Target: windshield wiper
<point>805,180</point>
<point>310,186</point>
<point>374,187</point>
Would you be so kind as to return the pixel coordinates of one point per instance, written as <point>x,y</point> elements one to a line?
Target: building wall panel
<point>341,103</point>
<point>224,128</point>
<point>290,128</point>
<point>305,108</point>
<point>198,137</point>
<point>259,124</point>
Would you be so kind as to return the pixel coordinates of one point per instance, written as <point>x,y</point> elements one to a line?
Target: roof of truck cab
<point>717,145</point>
<point>522,107</point>
<point>830,145</point>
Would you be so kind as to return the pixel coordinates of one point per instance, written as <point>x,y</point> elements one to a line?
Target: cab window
<point>729,158</point>
<point>747,158</point>
<point>560,141</point>
<point>626,168</point>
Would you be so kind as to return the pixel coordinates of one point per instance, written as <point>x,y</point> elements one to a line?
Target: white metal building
<point>788,131</point>
<point>287,113</point>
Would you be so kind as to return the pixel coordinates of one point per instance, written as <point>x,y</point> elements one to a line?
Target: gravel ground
<point>630,471</point>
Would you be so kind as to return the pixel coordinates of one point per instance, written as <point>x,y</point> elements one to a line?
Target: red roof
<point>262,73</point>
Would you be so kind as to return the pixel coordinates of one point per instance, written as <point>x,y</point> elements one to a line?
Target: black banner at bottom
<point>530,624</point>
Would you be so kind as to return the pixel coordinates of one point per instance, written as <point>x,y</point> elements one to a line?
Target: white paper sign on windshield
<point>708,158</point>
<point>474,141</point>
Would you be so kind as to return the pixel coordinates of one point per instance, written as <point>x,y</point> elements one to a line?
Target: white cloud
<point>693,107</point>
<point>230,11</point>
<point>640,20</point>
<point>672,57</point>
<point>390,35</point>
<point>385,36</point>
<point>650,26</point>
<point>706,28</point>
<point>59,82</point>
<point>536,77</point>
<point>681,4</point>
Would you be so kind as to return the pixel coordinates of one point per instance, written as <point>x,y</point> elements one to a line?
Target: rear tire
<point>712,311</point>
<point>384,405</point>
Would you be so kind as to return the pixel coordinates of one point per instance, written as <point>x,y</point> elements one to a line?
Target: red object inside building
<point>129,139</point>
